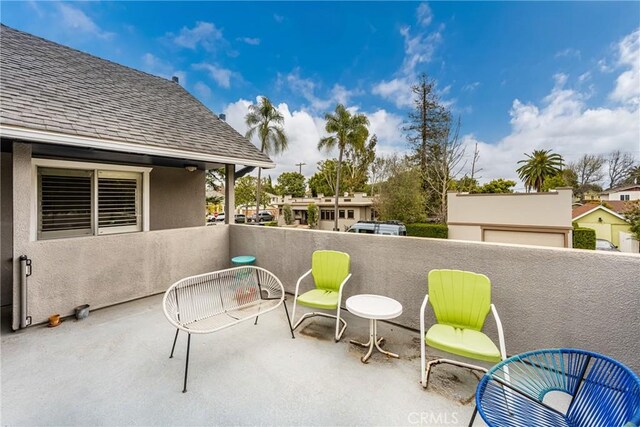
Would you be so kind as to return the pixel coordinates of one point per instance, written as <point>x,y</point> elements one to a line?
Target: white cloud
<point>584,77</point>
<point>387,127</point>
<point>563,123</point>
<point>627,88</point>
<point>307,88</point>
<point>76,20</point>
<point>254,41</point>
<point>304,129</point>
<point>568,53</point>
<point>222,76</point>
<point>424,14</point>
<point>419,48</point>
<point>470,87</point>
<point>202,90</point>
<point>155,65</point>
<point>397,90</point>
<point>204,33</point>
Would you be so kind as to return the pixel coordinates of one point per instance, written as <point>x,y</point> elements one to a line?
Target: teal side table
<point>243,260</point>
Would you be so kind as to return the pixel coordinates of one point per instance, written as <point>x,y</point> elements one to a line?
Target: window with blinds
<point>65,198</point>
<point>118,202</point>
<point>75,202</point>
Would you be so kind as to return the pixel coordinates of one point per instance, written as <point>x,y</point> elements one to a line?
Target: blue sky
<point>520,75</point>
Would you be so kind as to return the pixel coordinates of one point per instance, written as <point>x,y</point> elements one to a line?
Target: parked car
<point>391,228</point>
<point>241,219</point>
<point>263,216</point>
<point>605,245</point>
<point>220,217</point>
<point>211,218</point>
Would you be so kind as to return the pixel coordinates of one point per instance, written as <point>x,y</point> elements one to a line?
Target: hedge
<point>436,231</point>
<point>271,224</point>
<point>584,238</point>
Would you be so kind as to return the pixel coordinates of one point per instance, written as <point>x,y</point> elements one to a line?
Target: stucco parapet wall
<point>111,269</point>
<point>542,193</point>
<point>546,297</point>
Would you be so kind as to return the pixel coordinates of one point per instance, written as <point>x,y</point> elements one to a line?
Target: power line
<point>300,165</point>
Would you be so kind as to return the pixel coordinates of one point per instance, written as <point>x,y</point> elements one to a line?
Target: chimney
<point>222,117</point>
<point>175,79</point>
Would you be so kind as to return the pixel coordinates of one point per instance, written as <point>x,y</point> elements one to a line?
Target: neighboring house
<point>542,219</point>
<point>607,220</point>
<point>351,209</point>
<point>103,180</point>
<point>624,193</point>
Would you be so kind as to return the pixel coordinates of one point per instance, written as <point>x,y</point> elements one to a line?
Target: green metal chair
<point>461,301</point>
<point>330,271</point>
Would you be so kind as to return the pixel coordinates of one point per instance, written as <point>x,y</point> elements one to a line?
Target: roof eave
<point>604,208</point>
<point>32,135</point>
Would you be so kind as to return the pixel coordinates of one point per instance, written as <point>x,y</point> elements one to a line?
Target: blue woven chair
<point>603,391</point>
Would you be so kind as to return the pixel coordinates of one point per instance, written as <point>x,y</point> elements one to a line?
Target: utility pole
<point>300,165</point>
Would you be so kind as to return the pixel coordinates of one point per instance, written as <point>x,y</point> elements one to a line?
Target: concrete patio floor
<point>113,368</point>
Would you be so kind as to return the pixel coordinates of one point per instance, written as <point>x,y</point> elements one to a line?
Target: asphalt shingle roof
<point>49,87</point>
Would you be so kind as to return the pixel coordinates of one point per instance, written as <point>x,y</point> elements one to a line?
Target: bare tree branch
<point>619,166</point>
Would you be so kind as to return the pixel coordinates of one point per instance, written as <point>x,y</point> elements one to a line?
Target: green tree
<point>466,184</point>
<point>268,185</point>
<point>312,215</point>
<point>245,191</point>
<point>634,176</point>
<point>290,183</point>
<point>538,166</point>
<point>359,160</point>
<point>401,197</point>
<point>632,214</point>
<point>265,121</point>
<point>288,214</point>
<point>214,179</point>
<point>497,186</point>
<point>348,131</point>
<point>429,122</point>
<point>324,180</point>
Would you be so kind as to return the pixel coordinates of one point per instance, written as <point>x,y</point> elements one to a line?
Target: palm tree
<point>634,175</point>
<point>266,121</point>
<point>539,165</point>
<point>349,130</point>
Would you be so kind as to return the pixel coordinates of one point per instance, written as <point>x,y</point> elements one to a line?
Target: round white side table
<point>374,308</point>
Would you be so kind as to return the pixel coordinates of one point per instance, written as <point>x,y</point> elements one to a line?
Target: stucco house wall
<point>542,219</point>
<point>6,232</point>
<point>108,269</point>
<point>359,203</point>
<point>630,193</point>
<point>176,198</point>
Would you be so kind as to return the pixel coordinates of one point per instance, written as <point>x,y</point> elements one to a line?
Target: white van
<point>390,228</point>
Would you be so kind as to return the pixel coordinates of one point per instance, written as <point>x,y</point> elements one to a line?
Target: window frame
<point>94,169</point>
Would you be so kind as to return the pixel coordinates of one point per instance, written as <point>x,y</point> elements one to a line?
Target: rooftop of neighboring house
<point>355,199</point>
<point>51,93</point>
<point>616,206</point>
<point>630,187</point>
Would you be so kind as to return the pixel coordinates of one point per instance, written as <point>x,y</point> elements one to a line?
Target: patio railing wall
<point>546,297</point>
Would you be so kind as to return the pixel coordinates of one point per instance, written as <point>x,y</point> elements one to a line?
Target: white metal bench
<point>213,301</point>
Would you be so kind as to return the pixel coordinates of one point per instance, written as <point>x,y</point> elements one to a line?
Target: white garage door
<point>525,238</point>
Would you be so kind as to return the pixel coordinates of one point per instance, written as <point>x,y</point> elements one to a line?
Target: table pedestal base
<point>373,341</point>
